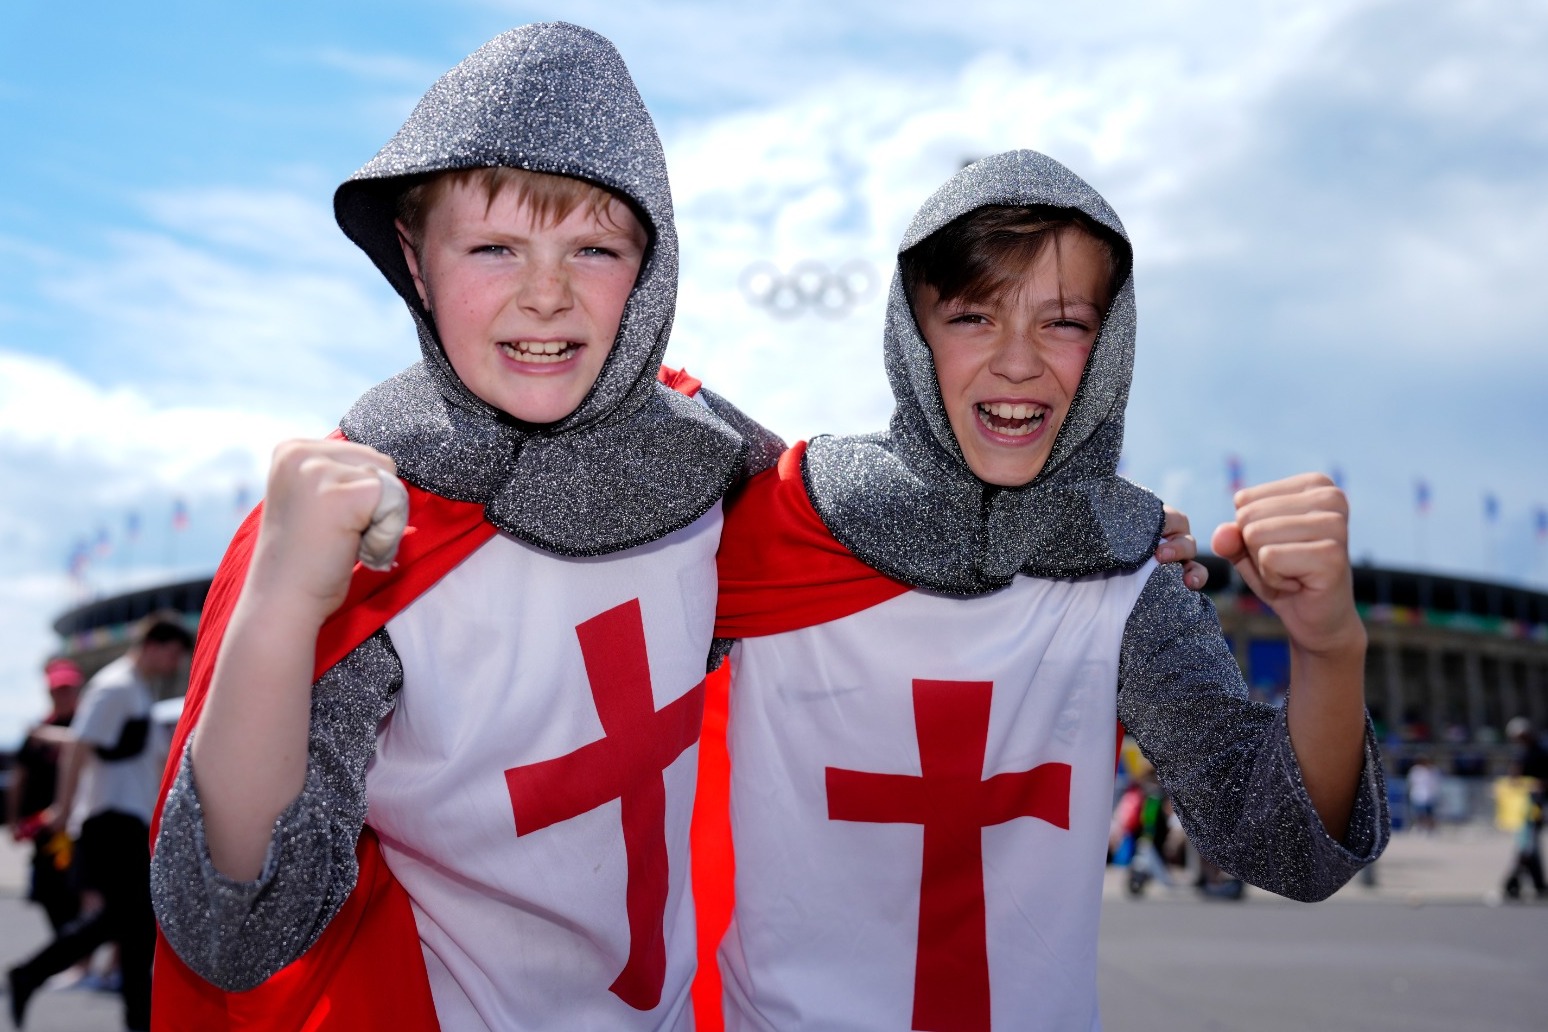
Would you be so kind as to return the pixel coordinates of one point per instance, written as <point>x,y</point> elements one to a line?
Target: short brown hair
<point>160,628</point>
<point>551,197</point>
<point>983,254</point>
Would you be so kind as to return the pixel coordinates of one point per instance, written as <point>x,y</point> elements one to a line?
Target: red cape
<point>366,971</point>
<point>780,567</point>
<point>780,570</point>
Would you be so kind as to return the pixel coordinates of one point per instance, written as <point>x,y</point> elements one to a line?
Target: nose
<point>1019,356</point>
<point>545,289</point>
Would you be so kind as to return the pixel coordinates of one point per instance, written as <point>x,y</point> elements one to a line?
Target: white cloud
<point>52,412</point>
<point>1299,300</point>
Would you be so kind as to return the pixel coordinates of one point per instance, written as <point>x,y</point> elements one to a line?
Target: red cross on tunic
<point>638,743</point>
<point>954,803</point>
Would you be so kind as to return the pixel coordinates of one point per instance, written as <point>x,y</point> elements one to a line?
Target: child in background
<point>457,793</point>
<point>940,624</point>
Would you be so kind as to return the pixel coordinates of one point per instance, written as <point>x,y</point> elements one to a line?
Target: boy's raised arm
<point>249,752</point>
<point>1290,544</point>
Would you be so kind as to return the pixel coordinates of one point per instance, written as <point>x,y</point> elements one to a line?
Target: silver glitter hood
<point>635,460</point>
<point>905,501</point>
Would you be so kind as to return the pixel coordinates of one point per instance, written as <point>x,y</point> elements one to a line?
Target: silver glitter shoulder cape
<point>904,500</point>
<point>636,460</point>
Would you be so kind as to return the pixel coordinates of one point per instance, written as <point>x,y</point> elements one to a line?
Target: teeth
<point>1006,410</point>
<point>1022,418</point>
<point>539,351</point>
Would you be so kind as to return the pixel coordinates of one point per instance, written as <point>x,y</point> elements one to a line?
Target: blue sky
<point>1337,211</point>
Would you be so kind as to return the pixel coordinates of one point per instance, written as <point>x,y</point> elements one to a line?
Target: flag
<point>1491,507</point>
<point>1422,496</point>
<point>132,527</point>
<point>80,558</point>
<point>1338,477</point>
<point>1542,524</point>
<point>179,515</point>
<point>243,500</point>
<point>103,546</point>
<point>1234,473</point>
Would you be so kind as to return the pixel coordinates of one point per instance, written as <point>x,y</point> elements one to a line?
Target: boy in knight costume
<point>457,793</point>
<point>940,624</point>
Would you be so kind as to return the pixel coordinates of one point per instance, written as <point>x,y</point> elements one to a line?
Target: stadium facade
<point>1451,659</point>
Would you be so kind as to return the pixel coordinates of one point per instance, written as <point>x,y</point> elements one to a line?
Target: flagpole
<point>1542,540</point>
<point>1491,505</point>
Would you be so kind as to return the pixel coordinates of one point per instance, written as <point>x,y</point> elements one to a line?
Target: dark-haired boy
<point>941,622</point>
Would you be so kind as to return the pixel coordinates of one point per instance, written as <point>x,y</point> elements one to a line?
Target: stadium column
<point>1392,671</point>
<point>1435,686</point>
<point>1477,709</point>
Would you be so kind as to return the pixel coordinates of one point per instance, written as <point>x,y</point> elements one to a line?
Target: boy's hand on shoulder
<point>319,501</point>
<point>1178,546</point>
<point>1290,543</point>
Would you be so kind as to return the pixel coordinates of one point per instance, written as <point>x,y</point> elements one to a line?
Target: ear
<point>411,256</point>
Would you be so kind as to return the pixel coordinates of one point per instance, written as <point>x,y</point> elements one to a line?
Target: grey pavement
<point>1444,953</point>
<point>1431,946</point>
<point>23,930</point>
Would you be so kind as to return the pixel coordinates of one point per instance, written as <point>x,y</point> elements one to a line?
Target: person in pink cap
<point>31,792</point>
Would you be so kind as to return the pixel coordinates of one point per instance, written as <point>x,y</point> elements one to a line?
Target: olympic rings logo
<point>809,286</point>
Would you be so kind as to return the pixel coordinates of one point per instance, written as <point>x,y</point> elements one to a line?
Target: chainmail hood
<point>635,460</point>
<point>904,500</point>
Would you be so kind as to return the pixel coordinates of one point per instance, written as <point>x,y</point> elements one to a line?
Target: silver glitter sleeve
<point>1226,761</point>
<point>236,934</point>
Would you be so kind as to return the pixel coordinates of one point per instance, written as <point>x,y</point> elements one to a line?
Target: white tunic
<point>934,898</point>
<point>520,876</point>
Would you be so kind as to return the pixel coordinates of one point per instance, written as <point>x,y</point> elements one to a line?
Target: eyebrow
<point>1068,302</point>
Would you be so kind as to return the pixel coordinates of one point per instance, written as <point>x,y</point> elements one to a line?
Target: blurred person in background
<point>1529,762</point>
<point>31,793</point>
<point>107,783</point>
<point>1423,783</point>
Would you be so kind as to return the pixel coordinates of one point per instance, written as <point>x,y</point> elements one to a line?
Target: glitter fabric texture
<point>1227,762</point>
<point>243,932</point>
<point>906,502</point>
<point>636,460</point>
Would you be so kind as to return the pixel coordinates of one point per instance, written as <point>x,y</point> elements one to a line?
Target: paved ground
<point>1262,967</point>
<point>1429,948</point>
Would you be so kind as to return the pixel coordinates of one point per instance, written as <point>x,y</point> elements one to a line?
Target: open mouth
<point>540,352</point>
<point>1006,419</point>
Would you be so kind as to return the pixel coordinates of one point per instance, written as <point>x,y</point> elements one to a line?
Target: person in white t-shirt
<point>1423,790</point>
<point>108,775</point>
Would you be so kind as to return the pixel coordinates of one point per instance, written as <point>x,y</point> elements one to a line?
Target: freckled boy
<point>456,794</point>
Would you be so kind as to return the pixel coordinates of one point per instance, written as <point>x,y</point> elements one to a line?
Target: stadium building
<point>1451,659</point>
